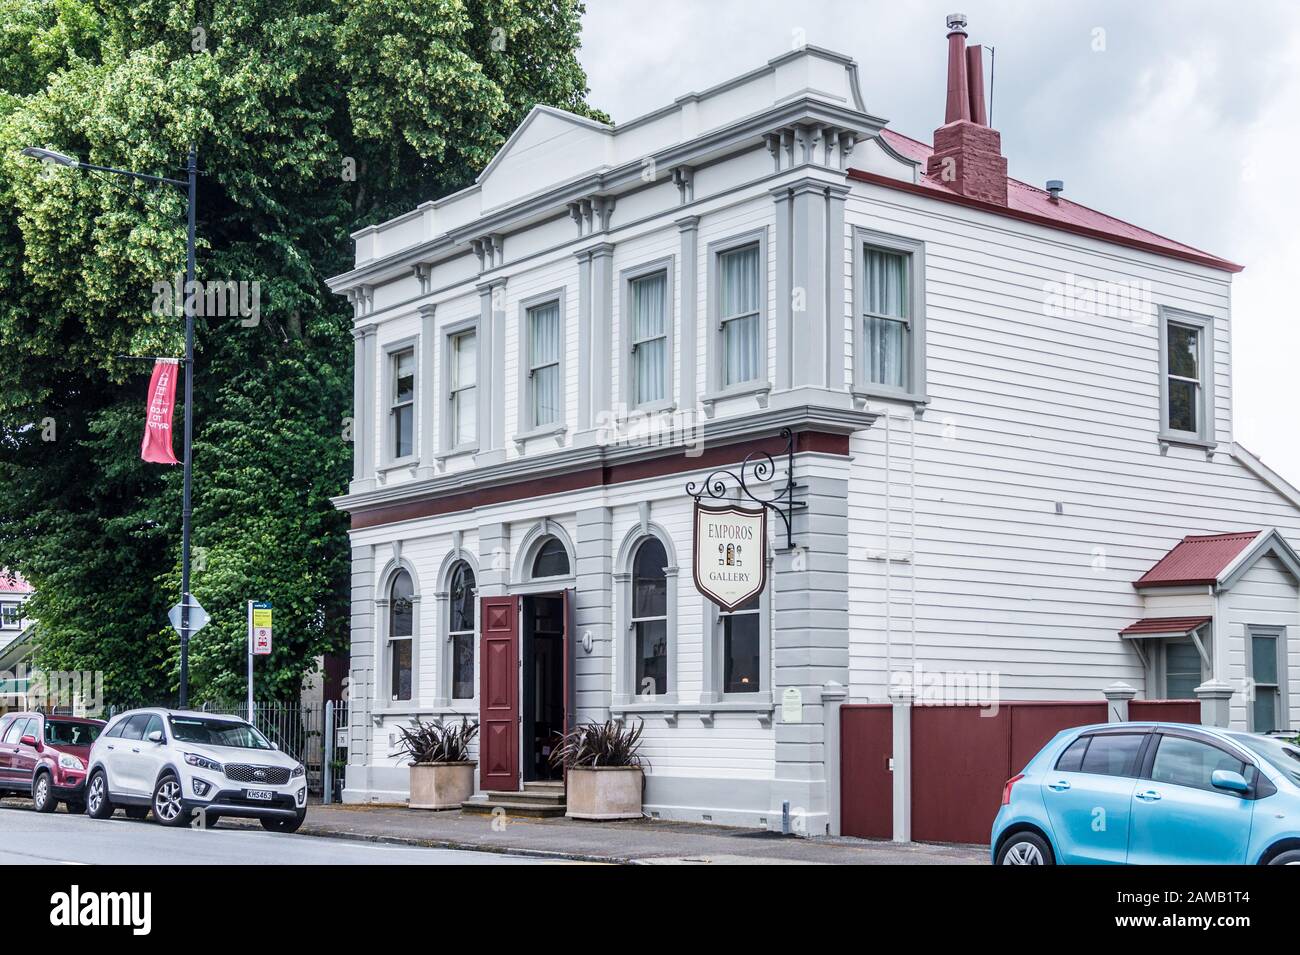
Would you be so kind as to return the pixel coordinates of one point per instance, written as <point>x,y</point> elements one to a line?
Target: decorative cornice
<point>729,432</point>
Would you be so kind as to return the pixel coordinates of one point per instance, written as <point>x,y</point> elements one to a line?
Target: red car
<point>45,757</point>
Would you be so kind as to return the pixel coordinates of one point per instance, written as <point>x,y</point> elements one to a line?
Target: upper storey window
<point>544,389</point>
<point>887,310</point>
<point>740,314</point>
<point>1186,377</point>
<point>402,403</point>
<point>462,392</point>
<point>650,354</point>
<point>889,332</point>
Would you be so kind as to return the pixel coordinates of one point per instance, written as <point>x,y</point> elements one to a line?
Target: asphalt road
<point>30,838</point>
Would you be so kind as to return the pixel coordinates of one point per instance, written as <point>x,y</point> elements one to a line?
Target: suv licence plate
<point>259,794</point>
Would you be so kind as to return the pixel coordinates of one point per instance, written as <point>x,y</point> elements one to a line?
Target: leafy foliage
<point>311,119</point>
<point>436,741</point>
<point>600,744</point>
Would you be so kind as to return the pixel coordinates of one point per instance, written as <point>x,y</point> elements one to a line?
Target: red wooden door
<point>866,782</point>
<point>498,759</point>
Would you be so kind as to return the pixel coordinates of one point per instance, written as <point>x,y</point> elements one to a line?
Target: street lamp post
<point>189,184</point>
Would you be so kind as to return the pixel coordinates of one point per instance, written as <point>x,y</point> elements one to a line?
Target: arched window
<point>461,630</point>
<point>650,618</point>
<point>552,559</point>
<point>401,628</point>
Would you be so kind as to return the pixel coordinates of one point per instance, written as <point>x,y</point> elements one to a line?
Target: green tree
<point>312,119</point>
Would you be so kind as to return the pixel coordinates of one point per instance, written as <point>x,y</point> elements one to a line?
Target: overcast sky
<point>1181,117</point>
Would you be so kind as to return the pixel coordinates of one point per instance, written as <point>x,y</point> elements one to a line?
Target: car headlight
<point>298,770</point>
<point>68,761</point>
<point>194,759</point>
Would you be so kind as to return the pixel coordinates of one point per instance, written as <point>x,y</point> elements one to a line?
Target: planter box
<point>605,792</point>
<point>441,785</point>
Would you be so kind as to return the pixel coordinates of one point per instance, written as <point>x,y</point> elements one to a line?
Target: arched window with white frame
<point>645,579</point>
<point>462,629</point>
<point>649,630</point>
<point>401,636</point>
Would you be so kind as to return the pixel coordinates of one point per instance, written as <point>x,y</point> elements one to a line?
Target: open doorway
<point>542,650</point>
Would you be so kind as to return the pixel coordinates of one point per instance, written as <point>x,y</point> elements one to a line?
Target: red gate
<point>961,758</point>
<point>499,695</point>
<point>866,784</point>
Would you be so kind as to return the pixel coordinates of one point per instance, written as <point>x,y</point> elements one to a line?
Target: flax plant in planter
<point>605,770</point>
<point>442,774</point>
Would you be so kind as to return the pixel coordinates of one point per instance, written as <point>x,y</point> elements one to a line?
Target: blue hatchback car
<point>1153,793</point>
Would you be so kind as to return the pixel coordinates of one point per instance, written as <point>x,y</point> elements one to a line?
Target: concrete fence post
<point>1215,696</point>
<point>902,698</point>
<point>833,696</point>
<point>1117,696</point>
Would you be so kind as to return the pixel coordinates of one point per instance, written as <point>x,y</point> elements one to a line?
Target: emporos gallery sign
<point>730,553</point>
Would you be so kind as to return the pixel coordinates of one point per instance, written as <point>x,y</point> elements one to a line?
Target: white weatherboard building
<point>1006,407</point>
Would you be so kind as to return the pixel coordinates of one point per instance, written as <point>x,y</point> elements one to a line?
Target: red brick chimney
<point>967,151</point>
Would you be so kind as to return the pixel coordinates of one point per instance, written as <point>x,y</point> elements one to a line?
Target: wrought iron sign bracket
<point>760,467</point>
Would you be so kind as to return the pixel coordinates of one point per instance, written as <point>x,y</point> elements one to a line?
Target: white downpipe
<point>889,653</point>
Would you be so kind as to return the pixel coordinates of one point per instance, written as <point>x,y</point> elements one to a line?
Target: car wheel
<point>284,825</point>
<point>137,812</point>
<point>98,805</point>
<point>43,794</point>
<point>168,807</point>
<point>1290,857</point>
<point>1025,848</point>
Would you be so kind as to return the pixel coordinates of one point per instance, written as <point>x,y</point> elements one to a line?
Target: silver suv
<point>179,763</point>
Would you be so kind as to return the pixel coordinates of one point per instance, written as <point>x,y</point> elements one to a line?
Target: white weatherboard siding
<point>1029,410</point>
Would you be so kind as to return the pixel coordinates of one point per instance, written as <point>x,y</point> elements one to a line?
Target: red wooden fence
<point>961,758</point>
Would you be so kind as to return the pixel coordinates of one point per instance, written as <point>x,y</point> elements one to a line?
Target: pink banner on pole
<point>157,444</point>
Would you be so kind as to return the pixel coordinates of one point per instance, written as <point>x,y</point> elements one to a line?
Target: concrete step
<point>515,804</point>
<point>529,796</point>
<point>545,786</point>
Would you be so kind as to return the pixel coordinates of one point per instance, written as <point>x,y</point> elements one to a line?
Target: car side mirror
<point>28,740</point>
<point>1231,781</point>
<point>155,737</point>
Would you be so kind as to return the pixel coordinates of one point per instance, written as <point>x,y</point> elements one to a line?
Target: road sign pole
<point>250,661</point>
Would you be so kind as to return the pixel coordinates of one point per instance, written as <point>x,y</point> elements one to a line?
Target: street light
<point>189,185</point>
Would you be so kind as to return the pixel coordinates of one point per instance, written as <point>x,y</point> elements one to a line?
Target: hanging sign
<point>730,553</point>
<point>156,447</point>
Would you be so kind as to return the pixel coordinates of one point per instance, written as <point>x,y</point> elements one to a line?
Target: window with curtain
<point>740,314</point>
<point>742,636</point>
<point>649,332</point>
<point>461,631</point>
<point>1183,382</point>
<point>886,316</point>
<point>649,618</point>
<point>552,560</point>
<point>403,403</point>
<point>1267,712</point>
<point>401,629</point>
<point>544,385</point>
<point>463,389</point>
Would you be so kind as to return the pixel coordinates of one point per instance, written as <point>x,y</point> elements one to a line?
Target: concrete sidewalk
<point>645,841</point>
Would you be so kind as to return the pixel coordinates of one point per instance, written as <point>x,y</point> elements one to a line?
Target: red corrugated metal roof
<point>11,583</point>
<point>1164,625</point>
<point>1197,559</point>
<point>1029,202</point>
